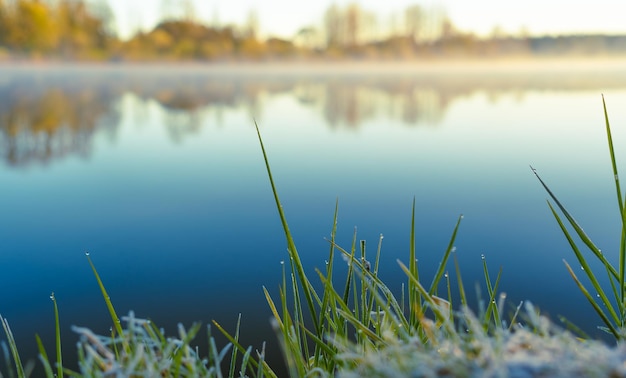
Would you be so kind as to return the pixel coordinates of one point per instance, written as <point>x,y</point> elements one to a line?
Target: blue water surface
<point>158,173</point>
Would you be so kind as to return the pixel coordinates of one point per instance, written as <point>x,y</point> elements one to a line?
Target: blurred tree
<point>352,25</point>
<point>413,19</point>
<point>30,27</point>
<point>332,26</point>
<point>83,32</point>
<point>251,28</point>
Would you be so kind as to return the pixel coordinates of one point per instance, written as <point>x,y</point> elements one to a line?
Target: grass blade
<point>579,231</point>
<point>444,260</point>
<point>459,281</point>
<point>622,245</point>
<point>434,306</point>
<point>593,303</point>
<point>414,296</point>
<point>612,153</point>
<point>585,266</point>
<point>293,253</point>
<point>57,336</point>
<point>116,320</point>
<point>233,356</point>
<point>13,347</point>
<point>43,356</point>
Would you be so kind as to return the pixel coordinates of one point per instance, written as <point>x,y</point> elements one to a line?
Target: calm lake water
<point>158,173</point>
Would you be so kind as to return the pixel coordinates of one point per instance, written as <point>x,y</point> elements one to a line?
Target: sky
<point>283,18</point>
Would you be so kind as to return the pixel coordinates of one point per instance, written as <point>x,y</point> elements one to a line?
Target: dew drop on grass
<point>326,261</point>
<point>482,256</point>
<point>282,262</point>
<point>86,253</point>
<point>454,249</point>
<point>445,274</point>
<point>581,268</point>
<point>52,295</point>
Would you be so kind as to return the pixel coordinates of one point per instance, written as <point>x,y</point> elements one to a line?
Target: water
<point>158,173</point>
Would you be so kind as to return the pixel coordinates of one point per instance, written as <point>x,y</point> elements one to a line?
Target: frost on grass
<point>538,349</point>
<point>144,351</point>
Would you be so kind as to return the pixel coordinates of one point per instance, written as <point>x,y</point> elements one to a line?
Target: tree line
<point>84,30</point>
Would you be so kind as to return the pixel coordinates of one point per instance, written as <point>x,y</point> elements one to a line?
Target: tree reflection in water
<point>48,114</point>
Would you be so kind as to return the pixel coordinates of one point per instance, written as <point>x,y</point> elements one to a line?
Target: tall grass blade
<point>376,282</point>
<point>585,266</point>
<point>350,256</point>
<point>57,328</point>
<point>236,344</point>
<point>233,356</point>
<point>579,231</point>
<point>573,328</point>
<point>459,281</point>
<point>492,308</point>
<point>593,303</point>
<point>414,299</point>
<point>293,253</point>
<point>13,347</point>
<point>43,356</point>
<point>433,303</point>
<point>116,320</point>
<point>329,265</point>
<point>444,260</point>
<point>613,160</point>
<point>622,245</point>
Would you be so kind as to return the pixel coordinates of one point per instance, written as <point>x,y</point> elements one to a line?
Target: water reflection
<point>44,121</point>
<point>47,114</point>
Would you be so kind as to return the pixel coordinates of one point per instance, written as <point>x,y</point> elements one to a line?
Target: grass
<point>356,326</point>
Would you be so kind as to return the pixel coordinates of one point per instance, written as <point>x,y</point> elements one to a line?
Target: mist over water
<point>157,172</point>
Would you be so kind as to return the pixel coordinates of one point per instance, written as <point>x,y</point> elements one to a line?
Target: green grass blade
<point>13,347</point>
<point>573,328</point>
<point>444,260</point>
<point>622,246</point>
<point>116,320</point>
<point>414,298</point>
<point>374,272</point>
<point>377,283</point>
<point>266,368</point>
<point>593,303</point>
<point>459,281</point>
<point>585,266</point>
<point>233,356</point>
<point>579,231</point>
<point>293,252</point>
<point>613,160</point>
<point>57,336</point>
<point>244,362</point>
<point>346,292</point>
<point>448,285</point>
<point>43,356</point>
<point>492,308</point>
<point>440,315</point>
<point>329,266</point>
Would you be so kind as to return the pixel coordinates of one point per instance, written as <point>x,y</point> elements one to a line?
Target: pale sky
<point>283,18</point>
